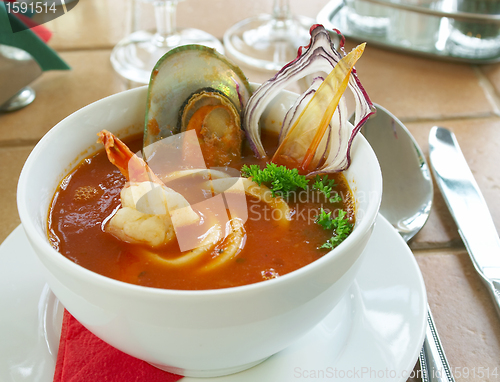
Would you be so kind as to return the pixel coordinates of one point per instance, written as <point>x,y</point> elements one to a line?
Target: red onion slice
<point>318,56</point>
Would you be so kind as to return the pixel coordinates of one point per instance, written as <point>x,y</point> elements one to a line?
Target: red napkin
<point>39,30</point>
<point>83,357</point>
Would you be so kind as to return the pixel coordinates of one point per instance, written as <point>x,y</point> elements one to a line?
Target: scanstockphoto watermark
<point>355,373</point>
<point>373,374</point>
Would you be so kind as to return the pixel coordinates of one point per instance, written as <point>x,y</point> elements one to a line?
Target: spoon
<point>406,204</point>
<point>407,189</point>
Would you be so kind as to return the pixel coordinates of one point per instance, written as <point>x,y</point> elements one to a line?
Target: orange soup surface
<point>88,197</point>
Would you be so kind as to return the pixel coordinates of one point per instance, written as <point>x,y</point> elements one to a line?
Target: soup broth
<point>89,196</point>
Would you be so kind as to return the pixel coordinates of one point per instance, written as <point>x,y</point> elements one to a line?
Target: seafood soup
<point>269,244</point>
<point>215,199</point>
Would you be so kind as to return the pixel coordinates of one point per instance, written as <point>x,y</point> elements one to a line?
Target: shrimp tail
<point>130,165</point>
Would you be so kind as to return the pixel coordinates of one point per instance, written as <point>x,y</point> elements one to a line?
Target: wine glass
<point>268,41</point>
<point>135,56</point>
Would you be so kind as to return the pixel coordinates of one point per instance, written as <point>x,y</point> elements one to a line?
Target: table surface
<point>421,92</point>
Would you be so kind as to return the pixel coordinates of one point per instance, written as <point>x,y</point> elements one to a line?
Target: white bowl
<point>193,333</point>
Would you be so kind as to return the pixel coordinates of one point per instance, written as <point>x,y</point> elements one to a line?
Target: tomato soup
<point>90,195</point>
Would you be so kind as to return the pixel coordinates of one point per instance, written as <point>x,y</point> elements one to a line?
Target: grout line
<point>439,251</point>
<point>452,118</point>
<point>489,89</point>
<point>18,143</point>
<point>83,49</point>
<point>456,244</point>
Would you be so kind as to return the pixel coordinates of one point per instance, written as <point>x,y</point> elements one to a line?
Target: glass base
<point>368,24</point>
<point>136,55</point>
<point>18,101</point>
<point>462,45</point>
<point>267,43</point>
<point>368,18</point>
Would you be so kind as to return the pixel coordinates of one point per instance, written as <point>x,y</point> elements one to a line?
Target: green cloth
<point>26,40</point>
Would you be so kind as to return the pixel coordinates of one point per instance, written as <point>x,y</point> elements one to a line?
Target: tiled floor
<point>416,88</point>
<point>420,91</point>
<point>467,321</point>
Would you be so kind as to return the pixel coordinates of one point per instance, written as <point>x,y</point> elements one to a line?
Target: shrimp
<point>130,165</point>
<point>150,210</point>
<point>230,247</point>
<point>132,226</point>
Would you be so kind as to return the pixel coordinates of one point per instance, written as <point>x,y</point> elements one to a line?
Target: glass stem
<point>281,9</point>
<point>165,14</point>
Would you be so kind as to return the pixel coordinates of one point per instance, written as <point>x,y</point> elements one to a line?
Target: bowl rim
<point>75,269</point>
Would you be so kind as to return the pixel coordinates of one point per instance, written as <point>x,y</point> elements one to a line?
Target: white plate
<point>375,333</point>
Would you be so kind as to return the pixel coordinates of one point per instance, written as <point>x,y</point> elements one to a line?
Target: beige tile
<point>91,24</point>
<point>416,374</point>
<point>464,313</point>
<point>60,93</point>
<point>102,23</point>
<point>492,73</point>
<point>479,140</point>
<point>222,14</point>
<point>440,230</point>
<point>12,160</point>
<point>416,88</point>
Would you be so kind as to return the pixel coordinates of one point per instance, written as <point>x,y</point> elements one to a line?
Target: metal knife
<point>467,206</point>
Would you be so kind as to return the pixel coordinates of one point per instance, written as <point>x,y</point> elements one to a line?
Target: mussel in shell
<point>217,123</point>
<point>195,88</point>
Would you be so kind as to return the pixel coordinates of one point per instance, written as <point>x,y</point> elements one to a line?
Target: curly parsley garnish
<point>279,179</point>
<point>325,186</point>
<point>340,225</point>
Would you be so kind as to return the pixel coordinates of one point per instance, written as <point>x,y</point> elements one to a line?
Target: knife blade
<point>467,206</point>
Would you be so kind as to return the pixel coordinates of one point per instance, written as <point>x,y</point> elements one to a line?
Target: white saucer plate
<point>374,334</point>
